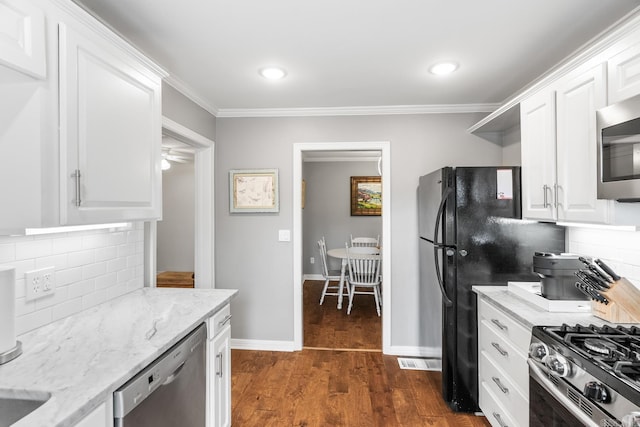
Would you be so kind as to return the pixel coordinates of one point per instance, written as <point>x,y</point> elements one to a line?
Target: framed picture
<point>366,195</point>
<point>253,190</point>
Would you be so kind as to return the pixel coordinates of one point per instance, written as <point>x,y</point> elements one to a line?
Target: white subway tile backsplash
<point>619,249</point>
<point>81,258</point>
<point>91,267</point>
<point>106,253</point>
<point>68,276</point>
<point>33,249</point>
<point>68,308</point>
<point>66,244</point>
<point>94,270</point>
<point>7,252</point>
<point>107,280</point>
<point>81,288</point>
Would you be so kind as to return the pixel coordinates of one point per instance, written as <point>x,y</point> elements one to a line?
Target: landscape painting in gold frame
<point>366,196</point>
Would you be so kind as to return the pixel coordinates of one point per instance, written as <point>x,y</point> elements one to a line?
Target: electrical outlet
<point>312,260</point>
<point>40,283</point>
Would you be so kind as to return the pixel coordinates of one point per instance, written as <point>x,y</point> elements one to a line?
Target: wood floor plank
<point>345,382</point>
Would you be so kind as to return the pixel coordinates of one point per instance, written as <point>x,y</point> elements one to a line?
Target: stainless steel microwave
<point>619,151</point>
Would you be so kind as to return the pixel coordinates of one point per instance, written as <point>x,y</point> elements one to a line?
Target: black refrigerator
<point>471,233</point>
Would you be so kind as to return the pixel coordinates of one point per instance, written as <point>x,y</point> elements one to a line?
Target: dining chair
<point>364,277</point>
<point>365,241</point>
<point>329,275</point>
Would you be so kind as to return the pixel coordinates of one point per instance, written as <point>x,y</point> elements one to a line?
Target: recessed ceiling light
<point>443,68</point>
<point>272,73</point>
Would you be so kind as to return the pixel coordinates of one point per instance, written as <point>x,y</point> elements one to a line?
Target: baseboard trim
<point>398,350</point>
<point>312,277</point>
<point>262,345</point>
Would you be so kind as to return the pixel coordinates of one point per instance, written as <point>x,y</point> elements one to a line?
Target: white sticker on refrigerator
<point>505,184</point>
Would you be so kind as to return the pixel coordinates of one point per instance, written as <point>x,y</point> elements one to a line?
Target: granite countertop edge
<point>82,359</point>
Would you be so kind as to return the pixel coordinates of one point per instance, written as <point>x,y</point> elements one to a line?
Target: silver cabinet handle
<point>76,175</point>
<point>499,324</point>
<point>224,321</point>
<point>555,195</point>
<point>500,349</point>
<point>219,363</point>
<point>544,199</point>
<point>499,419</point>
<point>500,386</point>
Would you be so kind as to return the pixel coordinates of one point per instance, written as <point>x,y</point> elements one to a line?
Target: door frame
<point>204,267</point>
<point>298,149</point>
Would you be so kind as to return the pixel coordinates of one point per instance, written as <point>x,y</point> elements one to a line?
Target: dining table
<point>341,253</point>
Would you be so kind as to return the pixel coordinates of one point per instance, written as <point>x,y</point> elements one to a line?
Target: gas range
<point>594,371</point>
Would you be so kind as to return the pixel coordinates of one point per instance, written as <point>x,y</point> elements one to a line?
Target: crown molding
<point>187,91</point>
<point>108,33</point>
<point>357,111</point>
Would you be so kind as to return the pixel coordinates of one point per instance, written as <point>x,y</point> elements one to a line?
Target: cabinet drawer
<point>503,353</point>
<point>505,326</point>
<point>507,392</point>
<point>219,321</point>
<point>497,415</point>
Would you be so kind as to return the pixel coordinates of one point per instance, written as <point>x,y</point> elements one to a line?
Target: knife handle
<point>607,269</point>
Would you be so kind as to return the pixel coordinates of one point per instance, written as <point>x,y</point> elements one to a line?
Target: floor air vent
<point>420,364</point>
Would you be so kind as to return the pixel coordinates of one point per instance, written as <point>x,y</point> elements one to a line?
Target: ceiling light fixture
<point>165,165</point>
<point>272,73</point>
<point>443,68</point>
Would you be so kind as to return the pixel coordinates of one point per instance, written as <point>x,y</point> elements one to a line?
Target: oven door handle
<point>540,377</point>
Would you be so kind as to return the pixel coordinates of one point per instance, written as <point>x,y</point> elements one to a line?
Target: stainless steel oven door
<point>550,406</point>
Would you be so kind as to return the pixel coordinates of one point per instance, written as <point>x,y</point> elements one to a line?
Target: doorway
<point>304,148</point>
<point>203,239</point>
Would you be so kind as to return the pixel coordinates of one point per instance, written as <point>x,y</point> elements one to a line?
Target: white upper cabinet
<point>110,132</point>
<point>624,71</point>
<point>578,97</point>
<point>538,129</point>
<point>22,37</point>
<point>559,149</point>
<point>80,144</point>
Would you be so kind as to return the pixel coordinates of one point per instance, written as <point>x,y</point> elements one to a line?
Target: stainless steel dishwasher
<point>170,392</point>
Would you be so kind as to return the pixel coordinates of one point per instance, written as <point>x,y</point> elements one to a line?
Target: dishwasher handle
<point>174,375</point>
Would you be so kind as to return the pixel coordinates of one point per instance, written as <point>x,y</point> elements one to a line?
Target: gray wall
<point>176,242</point>
<point>183,110</point>
<point>249,256</point>
<point>327,210</point>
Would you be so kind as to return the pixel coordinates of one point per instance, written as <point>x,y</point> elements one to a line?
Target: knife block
<point>624,303</point>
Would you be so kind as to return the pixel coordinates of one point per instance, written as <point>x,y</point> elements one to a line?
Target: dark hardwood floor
<point>327,327</point>
<point>321,386</point>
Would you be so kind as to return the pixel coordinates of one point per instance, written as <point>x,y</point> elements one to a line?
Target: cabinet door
<point>220,383</point>
<point>110,132</point>
<point>22,39</point>
<point>578,98</point>
<point>624,73</point>
<point>538,126</point>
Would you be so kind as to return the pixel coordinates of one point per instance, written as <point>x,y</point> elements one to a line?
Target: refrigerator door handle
<point>440,246</point>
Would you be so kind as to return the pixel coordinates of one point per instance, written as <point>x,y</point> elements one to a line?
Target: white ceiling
<point>356,53</point>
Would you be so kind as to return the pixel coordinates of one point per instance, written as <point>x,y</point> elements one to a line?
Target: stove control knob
<point>538,351</point>
<point>597,392</point>
<point>631,420</point>
<point>558,365</point>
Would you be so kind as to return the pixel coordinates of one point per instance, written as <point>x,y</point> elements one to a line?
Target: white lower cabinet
<point>503,371</point>
<point>219,369</point>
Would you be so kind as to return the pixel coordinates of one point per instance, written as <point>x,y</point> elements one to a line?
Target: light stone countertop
<point>528,314</point>
<point>82,359</point>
